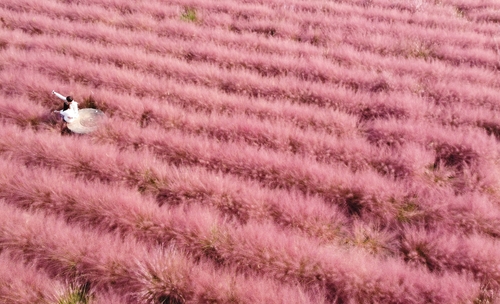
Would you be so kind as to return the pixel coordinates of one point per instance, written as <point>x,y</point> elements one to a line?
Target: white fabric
<point>70,114</point>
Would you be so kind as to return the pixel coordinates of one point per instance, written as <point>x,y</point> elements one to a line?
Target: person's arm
<point>59,95</point>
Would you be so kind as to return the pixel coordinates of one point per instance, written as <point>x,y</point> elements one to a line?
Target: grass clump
<point>189,15</point>
<point>76,295</point>
<point>373,240</point>
<point>460,12</point>
<point>148,182</point>
<point>419,49</point>
<point>407,212</point>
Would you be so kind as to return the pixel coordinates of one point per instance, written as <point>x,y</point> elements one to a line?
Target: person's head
<point>69,99</point>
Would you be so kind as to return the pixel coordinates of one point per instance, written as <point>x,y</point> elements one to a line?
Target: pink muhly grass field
<point>253,152</point>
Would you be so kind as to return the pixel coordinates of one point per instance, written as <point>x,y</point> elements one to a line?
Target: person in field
<point>69,113</point>
<point>70,108</point>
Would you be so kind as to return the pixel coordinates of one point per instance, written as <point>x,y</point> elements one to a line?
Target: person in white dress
<point>69,113</point>
<point>70,109</point>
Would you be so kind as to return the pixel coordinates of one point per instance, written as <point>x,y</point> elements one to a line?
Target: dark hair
<point>69,98</point>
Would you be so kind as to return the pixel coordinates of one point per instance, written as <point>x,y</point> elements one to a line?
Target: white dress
<point>70,114</point>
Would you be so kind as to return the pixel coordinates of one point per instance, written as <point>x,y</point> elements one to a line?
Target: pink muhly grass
<point>354,152</point>
<point>216,242</point>
<point>283,172</point>
<point>333,154</point>
<point>476,214</point>
<point>305,117</point>
<point>123,265</point>
<point>123,77</point>
<point>125,214</point>
<point>272,169</point>
<point>23,114</point>
<point>248,61</point>
<point>130,214</point>
<point>115,78</point>
<point>173,186</point>
<point>46,154</point>
<point>23,283</point>
<point>343,271</point>
<point>434,137</point>
<point>441,250</point>
<point>198,4</point>
<point>102,10</point>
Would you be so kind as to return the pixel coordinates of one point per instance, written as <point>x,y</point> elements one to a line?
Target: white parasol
<point>88,120</point>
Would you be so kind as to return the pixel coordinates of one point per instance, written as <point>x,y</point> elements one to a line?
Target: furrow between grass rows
<point>437,250</point>
<point>123,265</point>
<point>475,142</point>
<point>466,159</point>
<point>306,263</point>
